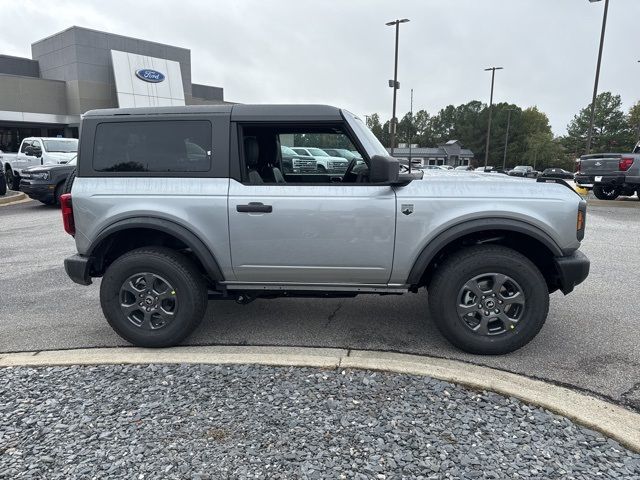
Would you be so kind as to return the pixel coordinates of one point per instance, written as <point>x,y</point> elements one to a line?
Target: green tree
<point>633,120</point>
<point>611,131</point>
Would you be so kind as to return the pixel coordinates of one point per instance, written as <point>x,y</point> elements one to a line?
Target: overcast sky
<point>340,52</point>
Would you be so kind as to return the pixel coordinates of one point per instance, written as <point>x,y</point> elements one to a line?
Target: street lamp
<point>486,151</point>
<point>394,83</point>
<point>595,83</point>
<point>506,137</point>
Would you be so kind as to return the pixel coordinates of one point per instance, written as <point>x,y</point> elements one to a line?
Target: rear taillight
<point>577,166</point>
<point>625,163</point>
<point>67,214</point>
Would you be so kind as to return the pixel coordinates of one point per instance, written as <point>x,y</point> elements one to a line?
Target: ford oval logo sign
<point>152,76</point>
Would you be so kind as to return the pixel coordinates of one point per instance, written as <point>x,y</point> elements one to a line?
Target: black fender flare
<point>190,239</point>
<point>472,226</point>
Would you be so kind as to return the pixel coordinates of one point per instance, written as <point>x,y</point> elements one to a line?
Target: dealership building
<point>80,69</point>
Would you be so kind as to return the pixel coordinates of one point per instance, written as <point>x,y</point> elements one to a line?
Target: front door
<point>312,233</point>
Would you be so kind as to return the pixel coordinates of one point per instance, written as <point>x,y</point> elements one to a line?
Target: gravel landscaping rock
<point>210,422</point>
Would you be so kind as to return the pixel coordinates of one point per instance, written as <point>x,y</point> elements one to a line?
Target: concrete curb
<point>612,420</point>
<point>19,197</point>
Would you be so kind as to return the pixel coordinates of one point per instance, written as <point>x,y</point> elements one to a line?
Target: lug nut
<point>141,303</point>
<point>497,311</point>
<point>486,313</point>
<point>500,302</point>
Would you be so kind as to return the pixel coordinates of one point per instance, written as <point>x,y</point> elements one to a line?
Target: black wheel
<point>13,181</point>
<point>488,300</point>
<point>56,194</point>
<point>606,193</point>
<point>68,183</point>
<point>153,297</point>
<point>3,183</point>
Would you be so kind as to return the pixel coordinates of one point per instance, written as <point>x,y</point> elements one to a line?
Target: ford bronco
<point>173,206</point>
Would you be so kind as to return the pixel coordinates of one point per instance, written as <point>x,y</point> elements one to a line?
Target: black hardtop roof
<point>238,112</point>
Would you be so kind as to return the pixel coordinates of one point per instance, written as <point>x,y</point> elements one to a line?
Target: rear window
<point>156,146</point>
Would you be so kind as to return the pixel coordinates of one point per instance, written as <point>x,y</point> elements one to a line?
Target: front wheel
<point>3,184</point>
<point>153,297</point>
<point>606,193</point>
<point>488,300</point>
<point>13,181</point>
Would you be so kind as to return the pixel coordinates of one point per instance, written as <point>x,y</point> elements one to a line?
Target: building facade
<point>80,69</point>
<point>450,153</point>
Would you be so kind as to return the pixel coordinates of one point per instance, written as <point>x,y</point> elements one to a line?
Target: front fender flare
<point>472,226</point>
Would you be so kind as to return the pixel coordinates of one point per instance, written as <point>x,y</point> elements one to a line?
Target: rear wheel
<point>3,184</point>
<point>153,297</point>
<point>488,300</point>
<point>605,192</point>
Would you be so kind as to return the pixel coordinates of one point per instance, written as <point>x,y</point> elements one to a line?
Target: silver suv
<point>173,206</point>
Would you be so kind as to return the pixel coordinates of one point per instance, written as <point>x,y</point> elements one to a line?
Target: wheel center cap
<point>490,304</point>
<point>148,300</point>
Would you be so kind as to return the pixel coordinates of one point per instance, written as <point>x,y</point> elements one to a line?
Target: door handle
<point>254,207</point>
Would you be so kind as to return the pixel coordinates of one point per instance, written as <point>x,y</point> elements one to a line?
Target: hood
<point>57,157</point>
<point>463,184</point>
<point>47,167</point>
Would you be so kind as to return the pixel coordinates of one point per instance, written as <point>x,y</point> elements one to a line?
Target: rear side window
<point>156,146</point>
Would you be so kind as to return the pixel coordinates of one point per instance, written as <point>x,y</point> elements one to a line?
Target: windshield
<point>60,145</point>
<point>287,150</point>
<point>521,168</point>
<point>370,142</point>
<point>317,152</point>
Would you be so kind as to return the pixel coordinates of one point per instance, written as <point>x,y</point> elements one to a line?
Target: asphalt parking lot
<point>590,340</point>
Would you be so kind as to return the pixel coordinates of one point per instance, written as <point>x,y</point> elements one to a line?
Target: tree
<point>633,120</point>
<point>611,131</point>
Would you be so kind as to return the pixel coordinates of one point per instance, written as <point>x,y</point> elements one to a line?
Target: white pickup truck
<point>36,151</point>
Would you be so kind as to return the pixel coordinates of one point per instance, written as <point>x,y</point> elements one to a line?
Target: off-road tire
<point>13,181</point>
<point>606,193</point>
<point>3,184</point>
<point>180,271</point>
<point>468,263</point>
<point>68,183</point>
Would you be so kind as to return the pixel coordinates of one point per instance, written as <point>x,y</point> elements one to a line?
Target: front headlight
<point>40,176</point>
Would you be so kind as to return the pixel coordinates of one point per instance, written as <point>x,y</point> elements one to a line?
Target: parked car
<point>3,182</point>
<point>434,167</point>
<point>610,174</point>
<point>523,171</point>
<point>35,151</point>
<point>556,173</point>
<point>163,245</point>
<point>464,167</point>
<point>293,162</point>
<point>326,163</point>
<point>342,152</point>
<point>489,169</point>
<point>46,183</point>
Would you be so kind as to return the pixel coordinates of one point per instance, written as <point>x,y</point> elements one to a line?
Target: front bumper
<point>78,267</point>
<point>43,192</point>
<point>571,270</point>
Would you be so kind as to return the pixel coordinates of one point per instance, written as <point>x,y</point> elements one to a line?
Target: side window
<point>153,146</point>
<point>309,155</point>
<point>36,145</point>
<point>25,144</point>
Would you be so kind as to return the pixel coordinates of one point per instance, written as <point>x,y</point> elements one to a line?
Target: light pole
<point>394,83</point>
<point>506,137</point>
<point>486,150</point>
<point>595,83</point>
<point>410,130</point>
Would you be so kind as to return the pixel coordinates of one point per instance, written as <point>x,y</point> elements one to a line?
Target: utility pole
<point>410,130</point>
<point>394,83</point>
<point>486,150</point>
<point>595,83</point>
<point>506,138</point>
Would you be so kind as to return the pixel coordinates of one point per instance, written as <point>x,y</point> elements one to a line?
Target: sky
<point>340,52</point>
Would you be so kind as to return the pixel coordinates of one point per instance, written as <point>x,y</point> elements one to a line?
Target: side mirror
<point>384,169</point>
